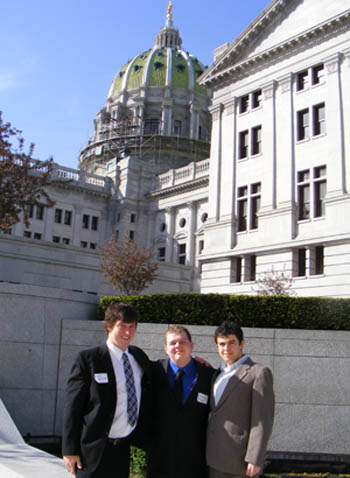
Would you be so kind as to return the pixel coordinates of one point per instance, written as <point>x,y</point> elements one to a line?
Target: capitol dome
<point>154,94</point>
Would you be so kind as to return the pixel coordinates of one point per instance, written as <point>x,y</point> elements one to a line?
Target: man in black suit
<point>181,389</point>
<point>103,400</point>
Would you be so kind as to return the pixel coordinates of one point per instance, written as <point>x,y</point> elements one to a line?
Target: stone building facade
<point>269,193</point>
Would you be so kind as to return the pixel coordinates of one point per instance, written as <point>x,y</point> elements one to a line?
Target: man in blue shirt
<point>181,388</point>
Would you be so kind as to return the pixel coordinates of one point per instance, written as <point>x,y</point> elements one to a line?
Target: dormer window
<point>137,68</point>
<point>180,68</point>
<point>158,65</point>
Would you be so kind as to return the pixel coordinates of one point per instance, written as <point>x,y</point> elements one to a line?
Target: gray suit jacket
<point>240,424</point>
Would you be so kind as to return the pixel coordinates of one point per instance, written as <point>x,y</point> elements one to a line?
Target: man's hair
<point>120,311</point>
<point>229,328</point>
<point>177,329</point>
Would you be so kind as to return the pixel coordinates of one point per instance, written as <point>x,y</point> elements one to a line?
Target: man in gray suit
<point>242,409</point>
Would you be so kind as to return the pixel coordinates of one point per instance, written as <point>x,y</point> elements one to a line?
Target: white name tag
<point>101,377</point>
<point>202,398</point>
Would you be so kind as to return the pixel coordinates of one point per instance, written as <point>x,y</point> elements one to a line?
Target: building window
<point>132,217</point>
<point>161,254</point>
<point>94,223</point>
<point>317,74</point>
<point>152,126</point>
<point>86,220</point>
<point>39,213</point>
<point>250,268</point>
<point>177,127</point>
<point>255,199</point>
<point>131,235</point>
<point>319,260</point>
<point>302,80</point>
<point>58,215</point>
<point>56,239</point>
<point>319,119</point>
<point>200,246</point>
<point>204,217</point>
<point>37,235</point>
<point>92,245</point>
<point>303,124</point>
<point>27,234</point>
<point>30,210</point>
<point>250,101</point>
<point>244,104</point>
<point>301,262</point>
<point>116,235</point>
<point>118,217</point>
<point>84,244</point>
<point>182,254</point>
<point>66,241</point>
<point>236,269</point>
<point>182,222</point>
<point>256,140</point>
<point>256,98</point>
<point>304,193</point>
<point>68,218</point>
<point>242,208</point>
<point>243,144</point>
<point>252,202</point>
<point>162,227</point>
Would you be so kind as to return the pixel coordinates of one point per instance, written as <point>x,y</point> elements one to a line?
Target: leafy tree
<point>275,283</point>
<point>22,178</point>
<point>128,267</point>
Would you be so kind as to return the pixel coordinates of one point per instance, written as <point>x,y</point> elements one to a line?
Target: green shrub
<point>137,462</point>
<point>249,311</point>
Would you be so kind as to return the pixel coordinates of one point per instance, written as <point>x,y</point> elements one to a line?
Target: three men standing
<point>242,409</point>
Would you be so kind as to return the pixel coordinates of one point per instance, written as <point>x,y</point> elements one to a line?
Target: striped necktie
<point>131,391</point>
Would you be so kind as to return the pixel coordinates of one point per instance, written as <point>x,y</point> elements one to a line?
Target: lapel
<point>105,365</point>
<point>234,381</point>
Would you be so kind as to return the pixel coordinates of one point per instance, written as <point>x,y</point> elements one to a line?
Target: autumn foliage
<point>128,267</point>
<point>22,178</point>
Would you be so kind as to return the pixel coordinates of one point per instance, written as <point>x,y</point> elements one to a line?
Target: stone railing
<point>81,177</point>
<point>182,175</point>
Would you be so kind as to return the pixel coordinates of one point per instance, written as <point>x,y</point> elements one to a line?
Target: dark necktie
<point>178,386</point>
<point>130,389</point>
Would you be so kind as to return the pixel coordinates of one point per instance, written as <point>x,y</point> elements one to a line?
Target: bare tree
<point>128,267</point>
<point>22,178</point>
<point>275,283</point>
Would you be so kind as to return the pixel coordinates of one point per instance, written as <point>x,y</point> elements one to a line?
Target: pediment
<point>281,24</point>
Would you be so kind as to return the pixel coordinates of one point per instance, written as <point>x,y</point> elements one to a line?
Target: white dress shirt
<point>121,427</point>
<point>224,376</point>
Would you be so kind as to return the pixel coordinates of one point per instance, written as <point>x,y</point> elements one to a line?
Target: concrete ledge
<point>24,461</point>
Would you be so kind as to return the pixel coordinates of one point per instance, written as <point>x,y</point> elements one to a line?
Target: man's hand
<point>252,470</point>
<point>72,462</point>
<point>203,362</point>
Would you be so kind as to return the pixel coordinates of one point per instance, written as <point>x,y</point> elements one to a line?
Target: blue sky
<point>59,57</point>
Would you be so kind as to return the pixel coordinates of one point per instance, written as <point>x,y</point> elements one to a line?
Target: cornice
<point>219,78</point>
<point>180,188</point>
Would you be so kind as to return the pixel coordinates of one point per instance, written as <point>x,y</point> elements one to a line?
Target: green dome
<point>159,67</point>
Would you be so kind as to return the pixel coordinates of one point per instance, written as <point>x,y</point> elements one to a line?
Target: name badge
<point>202,398</point>
<point>101,377</point>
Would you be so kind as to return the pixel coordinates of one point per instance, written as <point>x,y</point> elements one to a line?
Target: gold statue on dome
<point>170,7</point>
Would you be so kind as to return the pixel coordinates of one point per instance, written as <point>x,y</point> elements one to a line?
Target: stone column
<point>194,121</point>
<point>346,112</point>
<point>268,181</point>
<point>191,232</point>
<point>215,163</point>
<point>335,128</point>
<point>170,221</point>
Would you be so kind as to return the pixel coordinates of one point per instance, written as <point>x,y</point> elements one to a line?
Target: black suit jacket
<point>178,433</point>
<point>90,406</point>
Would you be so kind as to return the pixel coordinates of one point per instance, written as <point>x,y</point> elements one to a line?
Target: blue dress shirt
<point>189,377</point>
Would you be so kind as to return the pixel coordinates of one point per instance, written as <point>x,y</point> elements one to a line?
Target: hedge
<point>249,311</point>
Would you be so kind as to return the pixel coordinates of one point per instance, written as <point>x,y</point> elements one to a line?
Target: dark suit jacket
<point>241,423</point>
<point>90,406</point>
<point>177,445</point>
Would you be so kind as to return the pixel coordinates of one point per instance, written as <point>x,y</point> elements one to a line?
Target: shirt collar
<point>116,351</point>
<point>187,369</point>
<point>235,365</point>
